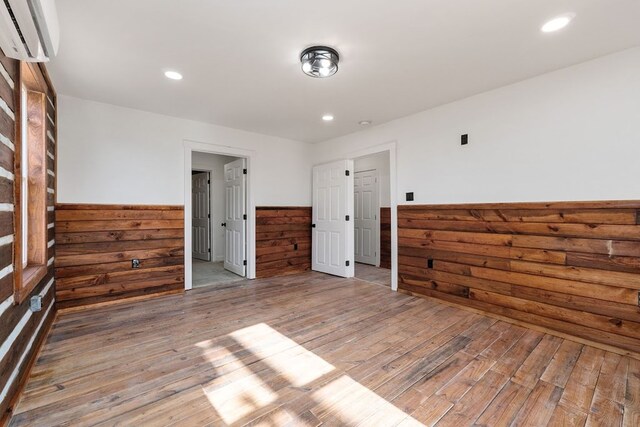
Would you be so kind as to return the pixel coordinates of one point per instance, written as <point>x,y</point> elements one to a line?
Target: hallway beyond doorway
<point>373,274</point>
<point>211,273</point>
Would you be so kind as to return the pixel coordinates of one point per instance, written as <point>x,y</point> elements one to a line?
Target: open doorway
<point>372,218</point>
<point>218,219</point>
<point>333,222</point>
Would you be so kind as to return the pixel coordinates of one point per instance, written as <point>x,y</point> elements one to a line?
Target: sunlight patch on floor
<point>354,404</point>
<point>239,398</point>
<point>297,364</point>
<point>251,386</point>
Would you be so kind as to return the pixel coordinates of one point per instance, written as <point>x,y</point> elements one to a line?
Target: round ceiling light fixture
<point>557,23</point>
<point>364,122</point>
<point>173,75</point>
<point>319,61</point>
<point>327,117</point>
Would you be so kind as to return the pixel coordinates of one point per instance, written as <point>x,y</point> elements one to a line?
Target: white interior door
<point>366,207</point>
<point>235,216</point>
<point>332,233</point>
<point>200,220</point>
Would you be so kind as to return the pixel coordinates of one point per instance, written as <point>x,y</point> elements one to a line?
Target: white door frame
<point>202,147</point>
<point>211,230</point>
<point>391,147</point>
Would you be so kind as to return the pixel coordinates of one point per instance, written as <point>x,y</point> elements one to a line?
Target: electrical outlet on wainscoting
<point>35,303</point>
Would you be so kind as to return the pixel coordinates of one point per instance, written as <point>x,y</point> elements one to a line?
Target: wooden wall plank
<point>117,246</point>
<point>84,270</point>
<point>97,243</point>
<point>102,214</point>
<point>283,240</point>
<point>569,266</point>
<point>94,207</point>
<point>117,224</point>
<point>119,236</point>
<point>596,204</point>
<point>385,237</point>
<point>599,231</point>
<point>600,216</point>
<point>6,155</point>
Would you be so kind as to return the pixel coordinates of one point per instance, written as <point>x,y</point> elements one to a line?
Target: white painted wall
<point>214,163</point>
<point>111,154</point>
<point>573,134</point>
<point>379,162</point>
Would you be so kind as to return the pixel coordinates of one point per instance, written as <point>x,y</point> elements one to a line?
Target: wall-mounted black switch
<point>429,263</point>
<point>464,139</point>
<point>295,246</point>
<point>410,197</point>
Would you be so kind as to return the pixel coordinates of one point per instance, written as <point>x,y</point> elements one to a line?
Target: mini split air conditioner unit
<point>29,29</point>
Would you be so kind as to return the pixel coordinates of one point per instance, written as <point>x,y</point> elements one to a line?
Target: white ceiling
<point>240,58</point>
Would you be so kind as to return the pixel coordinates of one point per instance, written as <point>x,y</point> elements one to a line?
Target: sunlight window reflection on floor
<point>255,358</point>
<point>349,401</point>
<point>236,399</point>
<point>298,365</point>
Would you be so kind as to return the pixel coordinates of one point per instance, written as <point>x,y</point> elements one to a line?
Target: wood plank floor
<point>312,350</point>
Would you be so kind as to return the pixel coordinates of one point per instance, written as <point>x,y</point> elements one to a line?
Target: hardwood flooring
<point>313,349</point>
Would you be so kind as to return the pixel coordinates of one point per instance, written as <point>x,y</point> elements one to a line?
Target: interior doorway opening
<point>372,218</point>
<point>218,219</point>
<point>335,213</point>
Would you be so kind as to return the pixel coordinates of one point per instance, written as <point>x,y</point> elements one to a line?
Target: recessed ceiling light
<point>319,61</point>
<point>557,23</point>
<point>327,117</point>
<point>364,122</point>
<point>173,75</point>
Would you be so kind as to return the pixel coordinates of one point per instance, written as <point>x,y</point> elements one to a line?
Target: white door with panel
<point>200,220</point>
<point>332,222</point>
<point>235,216</point>
<point>366,216</point>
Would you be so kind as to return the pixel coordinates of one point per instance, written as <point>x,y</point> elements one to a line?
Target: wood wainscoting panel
<point>572,267</point>
<point>385,237</point>
<point>283,240</point>
<point>96,246</point>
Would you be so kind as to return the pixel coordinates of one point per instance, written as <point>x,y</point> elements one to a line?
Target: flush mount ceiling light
<point>173,75</point>
<point>319,61</point>
<point>327,117</point>
<point>557,23</point>
<point>364,122</point>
